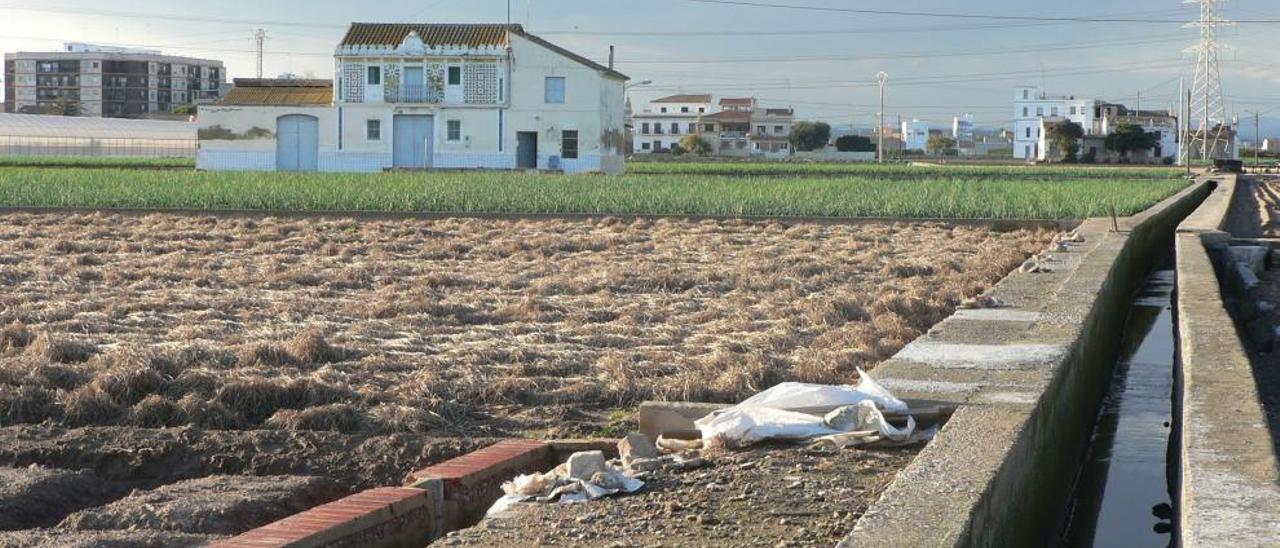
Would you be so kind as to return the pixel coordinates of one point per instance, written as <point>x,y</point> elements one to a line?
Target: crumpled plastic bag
<point>796,395</point>
<point>557,486</point>
<point>772,415</point>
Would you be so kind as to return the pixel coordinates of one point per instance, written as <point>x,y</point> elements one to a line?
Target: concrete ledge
<point>1029,382</point>
<point>1228,475</point>
<point>386,516</point>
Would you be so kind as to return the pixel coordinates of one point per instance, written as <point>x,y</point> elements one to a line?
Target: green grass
<point>949,193</point>
<point>98,161</point>
<point>901,171</point>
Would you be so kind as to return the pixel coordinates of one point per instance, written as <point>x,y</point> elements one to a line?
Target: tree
<point>695,145</point>
<point>855,143</point>
<point>942,144</point>
<point>1128,138</point>
<point>807,136</point>
<point>1066,136</point>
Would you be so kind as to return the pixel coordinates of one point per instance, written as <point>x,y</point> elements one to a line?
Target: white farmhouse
<point>418,96</point>
<point>1031,105</point>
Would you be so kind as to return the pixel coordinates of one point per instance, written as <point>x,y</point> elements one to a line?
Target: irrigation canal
<point>1122,494</point>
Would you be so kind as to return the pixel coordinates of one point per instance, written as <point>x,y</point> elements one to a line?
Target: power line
<point>909,55</point>
<point>956,15</point>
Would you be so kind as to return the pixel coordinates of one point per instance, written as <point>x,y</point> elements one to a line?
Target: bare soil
<point>767,496</point>
<point>219,505</point>
<point>151,350</point>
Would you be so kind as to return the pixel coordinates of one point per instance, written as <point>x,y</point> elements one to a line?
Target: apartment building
<point>91,80</point>
<point>665,121</point>
<point>915,135</point>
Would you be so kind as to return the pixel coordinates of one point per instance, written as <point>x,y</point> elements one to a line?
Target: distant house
<point>668,120</point>
<point>419,96</point>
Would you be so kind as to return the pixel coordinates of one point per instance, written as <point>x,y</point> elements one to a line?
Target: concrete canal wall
<point>1029,379</point>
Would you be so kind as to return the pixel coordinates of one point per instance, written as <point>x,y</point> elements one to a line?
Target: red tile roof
<point>686,98</point>
<point>271,92</point>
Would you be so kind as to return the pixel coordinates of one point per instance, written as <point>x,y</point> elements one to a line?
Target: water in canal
<point>1122,495</point>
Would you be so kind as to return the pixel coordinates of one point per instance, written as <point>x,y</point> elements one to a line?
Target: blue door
<point>415,85</point>
<point>412,141</point>
<point>297,143</point>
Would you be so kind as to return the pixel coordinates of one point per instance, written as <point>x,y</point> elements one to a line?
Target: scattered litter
<point>1031,267</point>
<point>780,414</point>
<point>982,301</point>
<point>584,477</point>
<point>1073,237</point>
<point>678,446</point>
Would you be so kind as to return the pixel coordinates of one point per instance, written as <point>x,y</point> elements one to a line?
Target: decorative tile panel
<point>480,82</point>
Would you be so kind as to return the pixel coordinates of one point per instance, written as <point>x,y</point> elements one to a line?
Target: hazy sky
<point>822,63</point>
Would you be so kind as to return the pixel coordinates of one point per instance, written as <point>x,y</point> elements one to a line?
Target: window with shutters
<point>569,144</point>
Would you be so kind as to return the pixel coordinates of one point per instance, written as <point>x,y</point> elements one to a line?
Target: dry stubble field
<point>397,342</point>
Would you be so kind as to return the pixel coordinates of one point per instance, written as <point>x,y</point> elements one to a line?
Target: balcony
<point>411,94</point>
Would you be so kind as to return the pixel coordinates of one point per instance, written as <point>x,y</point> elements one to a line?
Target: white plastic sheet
<point>772,415</point>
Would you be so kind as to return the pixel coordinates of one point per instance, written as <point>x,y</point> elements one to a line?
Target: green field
<point>98,161</point>
<point>1006,193</point>
<point>899,171</point>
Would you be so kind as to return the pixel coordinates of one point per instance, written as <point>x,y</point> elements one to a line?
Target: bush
<point>695,145</point>
<point>810,136</point>
<point>855,143</point>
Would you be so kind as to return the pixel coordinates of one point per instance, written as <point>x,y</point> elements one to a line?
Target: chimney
<point>610,57</point>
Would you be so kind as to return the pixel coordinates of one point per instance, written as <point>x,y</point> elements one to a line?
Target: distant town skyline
<point>820,62</point>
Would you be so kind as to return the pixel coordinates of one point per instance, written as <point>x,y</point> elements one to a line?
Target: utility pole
<point>882,78</point>
<point>1187,128</point>
<point>1257,138</point>
<point>260,36</point>
<point>1139,101</point>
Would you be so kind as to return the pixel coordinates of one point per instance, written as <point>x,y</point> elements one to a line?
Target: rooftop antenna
<point>1207,105</point>
<point>259,36</point>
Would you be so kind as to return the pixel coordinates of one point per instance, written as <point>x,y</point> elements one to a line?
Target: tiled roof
<point>392,34</point>
<point>686,98</point>
<point>264,92</point>
<point>737,101</point>
<point>456,34</point>
<point>779,112</point>
<point>729,116</point>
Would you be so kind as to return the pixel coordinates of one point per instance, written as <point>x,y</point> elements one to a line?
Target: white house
<point>664,122</point>
<point>915,135</point>
<point>418,96</point>
<point>1031,106</point>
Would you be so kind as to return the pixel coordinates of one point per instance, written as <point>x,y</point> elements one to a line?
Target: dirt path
<point>769,496</point>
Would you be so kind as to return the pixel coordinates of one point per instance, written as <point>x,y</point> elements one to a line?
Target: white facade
<point>1031,106</point>
<point>962,132</point>
<point>915,135</point>
<point>516,102</point>
<point>664,122</point>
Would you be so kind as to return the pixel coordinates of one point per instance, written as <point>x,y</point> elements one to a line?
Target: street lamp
<point>638,84</point>
<point>882,78</point>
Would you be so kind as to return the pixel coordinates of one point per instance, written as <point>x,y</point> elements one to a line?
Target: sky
<point>822,63</point>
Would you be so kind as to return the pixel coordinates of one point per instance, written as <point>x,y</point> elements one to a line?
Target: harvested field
<point>162,353</point>
<point>454,327</point>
